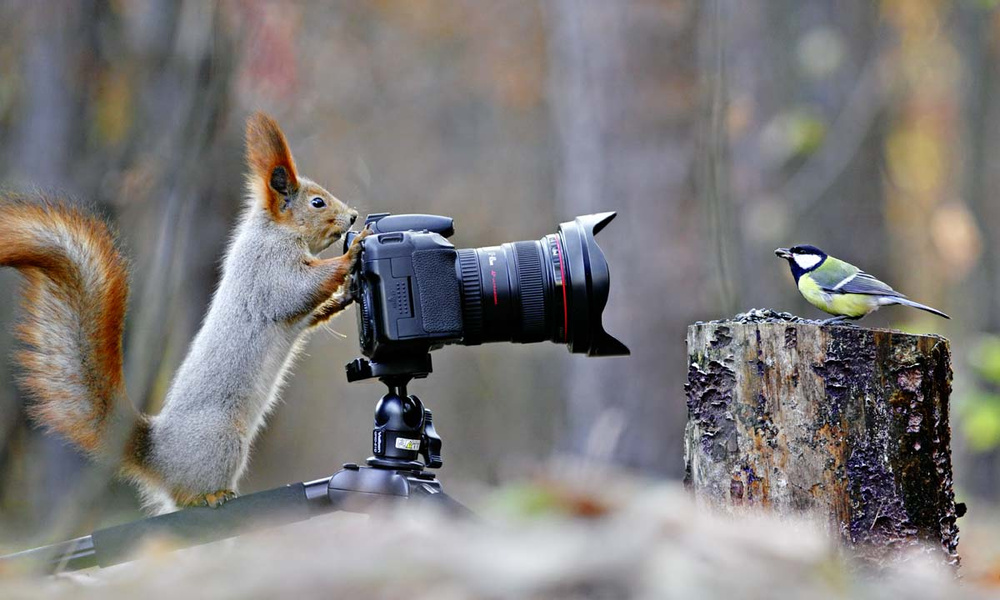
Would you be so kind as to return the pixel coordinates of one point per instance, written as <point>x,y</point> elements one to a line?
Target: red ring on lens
<point>562,276</point>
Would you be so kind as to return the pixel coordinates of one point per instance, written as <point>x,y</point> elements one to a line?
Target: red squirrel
<point>273,290</point>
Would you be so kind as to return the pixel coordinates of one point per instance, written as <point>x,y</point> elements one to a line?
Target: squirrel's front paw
<point>354,251</point>
<point>214,499</point>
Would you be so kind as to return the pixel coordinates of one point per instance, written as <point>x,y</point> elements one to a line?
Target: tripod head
<point>410,367</point>
<point>403,433</point>
<point>404,430</point>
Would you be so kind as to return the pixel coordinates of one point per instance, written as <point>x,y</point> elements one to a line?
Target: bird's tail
<point>74,301</point>
<point>911,303</point>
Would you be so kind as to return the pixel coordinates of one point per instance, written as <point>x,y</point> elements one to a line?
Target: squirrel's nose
<point>354,218</point>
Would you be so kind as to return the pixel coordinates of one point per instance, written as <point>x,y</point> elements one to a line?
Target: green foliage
<point>981,422</point>
<point>985,4</point>
<point>806,132</point>
<point>981,413</point>
<point>527,501</point>
<point>985,359</point>
<point>794,133</point>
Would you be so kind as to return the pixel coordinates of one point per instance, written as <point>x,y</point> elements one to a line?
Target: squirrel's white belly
<point>213,409</point>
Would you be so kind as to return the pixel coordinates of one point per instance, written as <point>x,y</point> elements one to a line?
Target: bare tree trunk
<point>846,424</point>
<point>119,108</point>
<point>980,309</point>
<point>622,150</point>
<point>44,141</point>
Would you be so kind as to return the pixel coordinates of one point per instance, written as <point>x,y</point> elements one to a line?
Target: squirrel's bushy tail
<point>74,303</point>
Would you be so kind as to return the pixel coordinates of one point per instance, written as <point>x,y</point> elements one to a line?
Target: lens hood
<point>587,288</point>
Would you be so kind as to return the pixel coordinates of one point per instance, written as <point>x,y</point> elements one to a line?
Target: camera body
<point>407,288</point>
<point>416,292</point>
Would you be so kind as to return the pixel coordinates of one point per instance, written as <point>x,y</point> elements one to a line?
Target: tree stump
<point>841,422</point>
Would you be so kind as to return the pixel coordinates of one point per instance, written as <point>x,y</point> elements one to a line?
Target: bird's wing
<point>832,272</point>
<point>863,283</point>
<point>839,277</point>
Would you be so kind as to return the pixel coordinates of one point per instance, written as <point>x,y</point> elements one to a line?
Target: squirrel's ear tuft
<point>270,162</point>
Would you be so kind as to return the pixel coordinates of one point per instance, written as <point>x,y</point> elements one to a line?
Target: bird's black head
<point>802,259</point>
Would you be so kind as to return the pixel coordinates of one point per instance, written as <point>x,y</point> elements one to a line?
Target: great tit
<point>840,288</point>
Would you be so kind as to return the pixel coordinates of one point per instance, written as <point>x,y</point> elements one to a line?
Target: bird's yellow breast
<point>848,305</point>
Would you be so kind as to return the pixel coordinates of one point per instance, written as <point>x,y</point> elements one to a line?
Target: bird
<point>840,288</point>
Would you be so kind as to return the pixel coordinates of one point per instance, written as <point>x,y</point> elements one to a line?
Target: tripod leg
<point>444,501</point>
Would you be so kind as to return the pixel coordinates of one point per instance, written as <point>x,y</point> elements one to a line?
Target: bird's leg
<point>844,319</point>
<point>838,319</point>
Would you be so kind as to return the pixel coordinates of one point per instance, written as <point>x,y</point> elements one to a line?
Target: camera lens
<point>504,295</point>
<point>530,291</point>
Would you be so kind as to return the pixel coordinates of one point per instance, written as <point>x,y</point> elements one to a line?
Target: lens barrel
<point>504,294</point>
<point>530,291</point>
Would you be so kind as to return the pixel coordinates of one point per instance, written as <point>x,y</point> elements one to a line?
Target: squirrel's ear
<point>270,162</point>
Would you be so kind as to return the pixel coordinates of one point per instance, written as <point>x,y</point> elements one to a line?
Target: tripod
<point>404,432</point>
<point>402,435</point>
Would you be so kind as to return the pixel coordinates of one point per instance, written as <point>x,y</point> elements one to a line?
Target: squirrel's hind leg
<point>211,499</point>
<point>215,499</point>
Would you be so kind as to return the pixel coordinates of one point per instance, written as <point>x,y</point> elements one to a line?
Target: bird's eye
<point>318,203</point>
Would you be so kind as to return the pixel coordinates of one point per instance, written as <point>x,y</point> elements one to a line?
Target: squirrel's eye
<point>318,203</point>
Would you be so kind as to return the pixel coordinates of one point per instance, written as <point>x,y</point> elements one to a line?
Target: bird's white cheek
<point>806,261</point>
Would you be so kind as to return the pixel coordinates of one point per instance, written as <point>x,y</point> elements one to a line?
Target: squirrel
<point>273,290</point>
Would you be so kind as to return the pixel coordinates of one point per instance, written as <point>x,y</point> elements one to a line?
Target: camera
<point>416,292</point>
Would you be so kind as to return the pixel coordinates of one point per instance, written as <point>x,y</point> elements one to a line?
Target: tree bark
<point>838,422</point>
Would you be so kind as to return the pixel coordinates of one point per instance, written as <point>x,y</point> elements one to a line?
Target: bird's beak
<point>783,253</point>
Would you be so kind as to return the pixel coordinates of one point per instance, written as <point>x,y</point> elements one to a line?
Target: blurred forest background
<point>718,129</point>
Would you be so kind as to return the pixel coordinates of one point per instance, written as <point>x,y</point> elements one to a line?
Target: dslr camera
<point>416,292</point>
